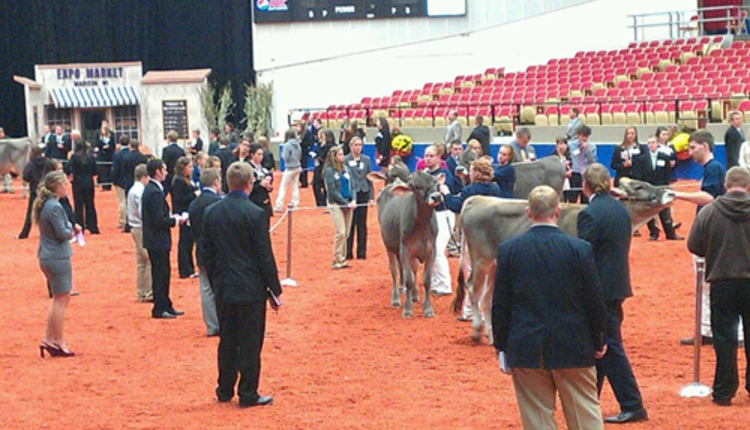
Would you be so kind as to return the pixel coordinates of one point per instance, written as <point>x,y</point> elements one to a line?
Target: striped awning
<point>93,97</point>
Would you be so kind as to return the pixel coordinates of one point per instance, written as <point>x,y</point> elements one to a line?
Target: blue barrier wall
<point>687,169</point>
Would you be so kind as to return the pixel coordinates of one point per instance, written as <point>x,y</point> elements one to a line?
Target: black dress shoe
<point>175,312</point>
<point>675,237</point>
<point>722,401</point>
<point>653,238</point>
<point>628,417</point>
<point>165,315</point>
<point>260,401</point>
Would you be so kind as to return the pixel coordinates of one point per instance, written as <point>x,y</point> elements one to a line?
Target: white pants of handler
<point>290,177</point>
<point>706,307</point>
<point>441,271</point>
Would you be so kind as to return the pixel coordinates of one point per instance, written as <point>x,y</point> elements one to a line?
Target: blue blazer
<point>605,224</point>
<point>505,177</point>
<point>547,306</point>
<point>456,202</point>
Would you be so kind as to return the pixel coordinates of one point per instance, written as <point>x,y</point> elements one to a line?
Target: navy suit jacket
<point>605,224</point>
<point>547,306</point>
<point>237,250</point>
<point>156,219</point>
<point>644,170</point>
<point>197,209</point>
<point>452,163</point>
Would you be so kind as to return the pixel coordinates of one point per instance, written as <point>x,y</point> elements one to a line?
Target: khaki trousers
<point>535,391</point>
<point>342,222</point>
<point>143,266</point>
<point>121,200</point>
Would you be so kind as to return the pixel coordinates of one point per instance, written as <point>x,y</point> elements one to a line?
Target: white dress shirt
<point>134,205</point>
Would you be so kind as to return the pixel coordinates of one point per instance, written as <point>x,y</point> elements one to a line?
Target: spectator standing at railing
<point>263,183</point>
<point>82,165</point>
<point>120,182</point>
<point>360,166</point>
<point>104,147</point>
<point>733,140</point>
<point>326,141</point>
<point>291,153</point>
<point>383,143</point>
<point>308,139</point>
<point>338,181</point>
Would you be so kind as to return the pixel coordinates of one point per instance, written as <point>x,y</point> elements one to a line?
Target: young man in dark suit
<point>548,302</point>
<point>211,186</point>
<point>481,133</point>
<point>130,160</point>
<point>226,157</point>
<point>605,224</point>
<point>241,267</point>
<point>118,178</point>
<point>733,139</point>
<point>170,154</point>
<point>653,166</point>
<point>157,238</point>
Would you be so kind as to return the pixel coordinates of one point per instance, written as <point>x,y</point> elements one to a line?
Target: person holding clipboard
<point>237,254</point>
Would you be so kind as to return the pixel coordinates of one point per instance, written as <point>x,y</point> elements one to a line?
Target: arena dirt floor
<point>337,356</point>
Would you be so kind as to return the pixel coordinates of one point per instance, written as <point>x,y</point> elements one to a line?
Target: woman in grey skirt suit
<point>55,231</point>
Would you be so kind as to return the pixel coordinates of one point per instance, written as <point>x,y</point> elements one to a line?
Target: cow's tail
<point>458,300</point>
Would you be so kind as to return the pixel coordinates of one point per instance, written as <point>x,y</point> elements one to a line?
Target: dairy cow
<point>545,171</point>
<point>409,228</point>
<point>14,153</point>
<point>488,221</point>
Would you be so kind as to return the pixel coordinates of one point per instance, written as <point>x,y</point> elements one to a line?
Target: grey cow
<point>409,229</point>
<point>14,153</point>
<point>488,221</point>
<point>545,171</point>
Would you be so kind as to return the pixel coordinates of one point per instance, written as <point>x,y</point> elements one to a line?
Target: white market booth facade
<point>146,108</point>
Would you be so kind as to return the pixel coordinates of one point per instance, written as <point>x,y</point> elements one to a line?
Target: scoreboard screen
<point>269,11</point>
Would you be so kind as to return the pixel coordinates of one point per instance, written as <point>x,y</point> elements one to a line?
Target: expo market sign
<point>90,76</point>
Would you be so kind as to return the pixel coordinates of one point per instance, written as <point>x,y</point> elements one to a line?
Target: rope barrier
<point>275,226</point>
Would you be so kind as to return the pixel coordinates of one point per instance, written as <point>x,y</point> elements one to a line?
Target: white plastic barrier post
<point>289,281</point>
<point>696,389</point>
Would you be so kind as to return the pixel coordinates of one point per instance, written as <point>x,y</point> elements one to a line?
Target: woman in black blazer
<point>82,165</point>
<point>263,184</point>
<point>326,141</point>
<point>183,193</point>
<point>104,147</point>
<point>624,155</point>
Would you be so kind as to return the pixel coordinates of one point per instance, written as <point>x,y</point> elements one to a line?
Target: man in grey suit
<point>453,132</point>
<point>211,182</point>
<point>522,149</point>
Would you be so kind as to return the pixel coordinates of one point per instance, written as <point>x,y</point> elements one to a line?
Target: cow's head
<point>423,185</point>
<point>642,199</point>
<point>396,170</point>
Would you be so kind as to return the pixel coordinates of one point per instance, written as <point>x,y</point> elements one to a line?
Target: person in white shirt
<point>135,221</point>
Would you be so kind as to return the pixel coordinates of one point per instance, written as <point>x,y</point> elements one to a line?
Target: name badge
<point>352,163</point>
<point>532,156</point>
<point>577,152</point>
<point>635,151</point>
<point>661,163</point>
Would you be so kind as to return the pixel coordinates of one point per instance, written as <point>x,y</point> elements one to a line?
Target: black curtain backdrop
<point>162,34</point>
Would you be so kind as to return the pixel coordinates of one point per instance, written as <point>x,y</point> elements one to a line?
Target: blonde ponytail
<point>46,190</point>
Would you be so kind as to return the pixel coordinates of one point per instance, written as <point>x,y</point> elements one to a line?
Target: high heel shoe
<point>54,350</point>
